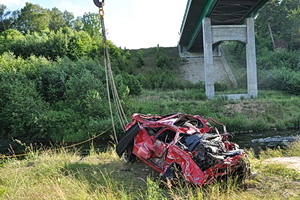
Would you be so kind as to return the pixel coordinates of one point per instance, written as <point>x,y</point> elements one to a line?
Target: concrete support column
<point>208,58</point>
<point>251,59</point>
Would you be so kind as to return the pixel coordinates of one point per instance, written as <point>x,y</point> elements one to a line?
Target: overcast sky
<point>130,23</point>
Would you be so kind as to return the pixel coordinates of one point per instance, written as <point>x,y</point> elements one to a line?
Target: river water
<point>257,141</point>
<point>261,140</point>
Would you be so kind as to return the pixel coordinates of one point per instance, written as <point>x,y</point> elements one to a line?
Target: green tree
<point>80,45</point>
<point>2,10</point>
<point>69,18</point>
<point>32,18</point>
<point>77,24</point>
<point>7,37</point>
<point>7,18</point>
<point>91,23</point>
<point>3,15</point>
<point>84,94</point>
<point>280,19</point>
<point>57,43</point>
<point>57,20</point>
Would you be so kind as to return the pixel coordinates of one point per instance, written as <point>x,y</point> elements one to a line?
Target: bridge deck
<point>221,12</point>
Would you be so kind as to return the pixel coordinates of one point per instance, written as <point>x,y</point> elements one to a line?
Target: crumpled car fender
<point>189,168</point>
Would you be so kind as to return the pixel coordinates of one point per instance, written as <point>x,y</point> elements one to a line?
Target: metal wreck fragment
<point>183,143</point>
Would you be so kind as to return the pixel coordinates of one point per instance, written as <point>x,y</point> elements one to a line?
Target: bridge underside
<point>221,12</point>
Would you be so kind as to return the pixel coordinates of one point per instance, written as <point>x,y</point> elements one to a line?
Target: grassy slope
<point>271,110</point>
<point>62,175</point>
<point>149,56</point>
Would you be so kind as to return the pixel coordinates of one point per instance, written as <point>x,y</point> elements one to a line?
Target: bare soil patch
<point>290,162</point>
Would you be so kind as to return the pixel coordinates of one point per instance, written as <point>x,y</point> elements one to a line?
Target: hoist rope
<point>110,82</point>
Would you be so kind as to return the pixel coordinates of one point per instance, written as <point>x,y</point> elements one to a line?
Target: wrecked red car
<point>182,142</point>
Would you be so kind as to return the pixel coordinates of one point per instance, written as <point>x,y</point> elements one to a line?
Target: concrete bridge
<point>207,23</point>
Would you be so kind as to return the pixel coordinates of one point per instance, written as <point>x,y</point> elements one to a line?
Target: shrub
<point>160,78</point>
<point>79,45</point>
<point>220,87</point>
<point>198,85</point>
<point>21,107</point>
<point>51,84</point>
<point>279,59</point>
<point>196,94</point>
<point>6,37</point>
<point>286,80</point>
<point>84,94</point>
<point>122,89</point>
<point>133,84</point>
<point>163,61</point>
<point>140,59</point>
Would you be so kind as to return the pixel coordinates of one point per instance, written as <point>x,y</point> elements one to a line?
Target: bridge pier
<point>213,34</point>
<point>208,59</point>
<point>251,59</point>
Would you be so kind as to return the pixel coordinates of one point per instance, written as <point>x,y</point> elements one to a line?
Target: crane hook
<point>98,3</point>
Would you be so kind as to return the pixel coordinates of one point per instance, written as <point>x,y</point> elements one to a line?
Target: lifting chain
<point>100,6</point>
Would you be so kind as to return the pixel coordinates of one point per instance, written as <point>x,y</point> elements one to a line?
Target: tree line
<point>33,18</point>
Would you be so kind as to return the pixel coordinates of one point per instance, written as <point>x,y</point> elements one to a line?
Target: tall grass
<point>66,175</point>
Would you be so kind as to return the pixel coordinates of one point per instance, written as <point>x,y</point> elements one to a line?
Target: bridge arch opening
<point>234,53</point>
<point>214,34</point>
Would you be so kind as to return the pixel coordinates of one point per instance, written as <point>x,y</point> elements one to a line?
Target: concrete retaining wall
<point>193,70</point>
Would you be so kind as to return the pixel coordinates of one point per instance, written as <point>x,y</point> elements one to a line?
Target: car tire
<point>128,156</point>
<point>244,170</point>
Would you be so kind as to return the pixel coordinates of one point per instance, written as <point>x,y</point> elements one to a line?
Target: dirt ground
<point>290,162</point>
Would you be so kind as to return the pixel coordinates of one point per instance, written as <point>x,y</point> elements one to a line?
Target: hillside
<point>150,57</point>
<point>187,69</point>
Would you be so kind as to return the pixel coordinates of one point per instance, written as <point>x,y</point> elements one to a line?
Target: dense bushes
<point>279,70</point>
<point>52,81</point>
<point>278,59</point>
<point>163,61</point>
<point>286,80</point>
<point>163,78</point>
<point>20,106</point>
<point>56,100</point>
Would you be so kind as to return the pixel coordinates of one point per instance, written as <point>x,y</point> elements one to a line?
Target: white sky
<point>130,23</point>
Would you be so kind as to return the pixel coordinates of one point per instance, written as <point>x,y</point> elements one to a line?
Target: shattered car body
<point>186,142</point>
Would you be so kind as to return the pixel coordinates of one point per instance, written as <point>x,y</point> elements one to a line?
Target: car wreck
<point>183,143</point>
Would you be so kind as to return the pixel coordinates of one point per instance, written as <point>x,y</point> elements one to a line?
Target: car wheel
<point>244,170</point>
<point>240,173</point>
<point>128,156</point>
